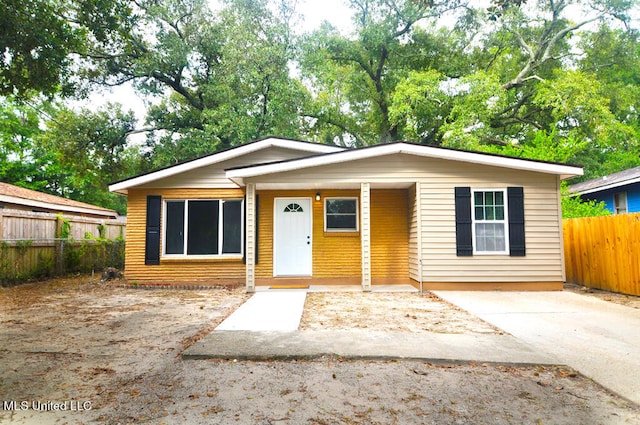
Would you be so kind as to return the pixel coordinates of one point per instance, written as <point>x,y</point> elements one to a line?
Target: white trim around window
<point>489,212</point>
<point>180,230</point>
<point>620,203</point>
<point>336,216</point>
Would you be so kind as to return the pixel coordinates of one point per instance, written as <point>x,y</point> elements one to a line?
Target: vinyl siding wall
<point>543,262</point>
<point>214,175</point>
<point>414,252</point>
<point>215,270</point>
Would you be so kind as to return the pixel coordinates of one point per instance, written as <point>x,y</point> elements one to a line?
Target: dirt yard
<point>388,312</point>
<point>622,299</point>
<point>111,355</point>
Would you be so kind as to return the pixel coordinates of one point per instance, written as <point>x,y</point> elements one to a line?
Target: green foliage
<point>91,254</point>
<point>39,37</point>
<point>92,148</point>
<point>64,229</point>
<point>223,80</point>
<point>556,81</point>
<point>574,207</point>
<point>23,161</point>
<point>419,106</point>
<point>12,259</point>
<point>354,78</point>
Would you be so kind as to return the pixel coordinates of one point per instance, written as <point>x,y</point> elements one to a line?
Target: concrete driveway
<point>597,338</point>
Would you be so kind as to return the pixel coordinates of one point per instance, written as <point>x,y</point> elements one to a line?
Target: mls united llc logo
<point>47,406</point>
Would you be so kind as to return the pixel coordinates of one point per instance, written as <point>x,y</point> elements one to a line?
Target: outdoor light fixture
<point>317,196</point>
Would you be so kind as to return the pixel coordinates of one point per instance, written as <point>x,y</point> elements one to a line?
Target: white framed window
<point>341,214</point>
<point>490,221</point>
<point>207,227</point>
<point>620,203</point>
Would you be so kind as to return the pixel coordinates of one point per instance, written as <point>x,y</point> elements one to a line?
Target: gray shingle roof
<point>620,178</point>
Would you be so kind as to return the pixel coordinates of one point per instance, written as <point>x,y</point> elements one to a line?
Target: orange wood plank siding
<point>209,270</point>
<point>338,254</point>
<point>390,234</point>
<point>334,254</point>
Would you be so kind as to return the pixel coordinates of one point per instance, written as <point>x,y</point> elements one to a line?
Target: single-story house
<point>619,191</point>
<point>18,198</point>
<point>286,212</point>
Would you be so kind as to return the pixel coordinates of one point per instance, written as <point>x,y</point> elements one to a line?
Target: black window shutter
<point>464,242</point>
<point>515,196</point>
<point>152,240</point>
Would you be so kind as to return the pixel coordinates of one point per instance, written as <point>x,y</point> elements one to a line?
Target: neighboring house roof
<point>564,171</point>
<point>16,195</point>
<point>311,148</point>
<point>611,181</point>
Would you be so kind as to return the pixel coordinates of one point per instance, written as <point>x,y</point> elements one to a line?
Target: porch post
<point>365,234</point>
<point>250,232</point>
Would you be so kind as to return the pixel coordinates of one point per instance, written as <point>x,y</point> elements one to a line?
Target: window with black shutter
<point>490,221</point>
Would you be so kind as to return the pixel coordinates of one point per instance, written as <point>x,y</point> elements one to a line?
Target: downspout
<point>420,274</point>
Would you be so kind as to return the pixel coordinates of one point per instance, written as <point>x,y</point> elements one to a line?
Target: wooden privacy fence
<point>34,245</point>
<point>604,252</point>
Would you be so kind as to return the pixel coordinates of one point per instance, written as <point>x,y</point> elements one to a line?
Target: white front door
<point>292,237</point>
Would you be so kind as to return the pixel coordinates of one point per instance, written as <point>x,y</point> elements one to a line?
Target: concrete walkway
<point>364,344</point>
<point>279,310</point>
<point>266,327</point>
<point>598,338</point>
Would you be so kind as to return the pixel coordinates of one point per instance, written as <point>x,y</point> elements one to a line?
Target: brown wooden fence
<point>36,245</point>
<point>604,252</point>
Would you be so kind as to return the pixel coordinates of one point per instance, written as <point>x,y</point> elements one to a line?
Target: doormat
<point>289,287</point>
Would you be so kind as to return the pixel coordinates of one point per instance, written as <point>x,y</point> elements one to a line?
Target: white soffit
<point>312,148</point>
<point>564,171</point>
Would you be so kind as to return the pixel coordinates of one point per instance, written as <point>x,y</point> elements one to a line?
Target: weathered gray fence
<point>34,245</point>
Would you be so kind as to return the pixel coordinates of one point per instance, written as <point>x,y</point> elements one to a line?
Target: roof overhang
<point>107,214</point>
<point>312,148</point>
<point>238,175</point>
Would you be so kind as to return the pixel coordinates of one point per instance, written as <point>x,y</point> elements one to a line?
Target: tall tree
<point>23,161</point>
<point>93,150</point>
<point>40,37</point>
<point>224,79</point>
<point>523,95</point>
<point>354,77</point>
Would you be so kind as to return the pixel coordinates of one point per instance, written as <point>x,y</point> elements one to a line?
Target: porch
<point>290,241</point>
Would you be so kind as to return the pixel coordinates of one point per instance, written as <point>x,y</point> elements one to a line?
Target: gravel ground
<point>111,355</point>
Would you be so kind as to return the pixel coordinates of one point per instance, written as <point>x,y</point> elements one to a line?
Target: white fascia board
<point>58,207</point>
<point>314,148</point>
<point>564,171</point>
<point>607,187</point>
